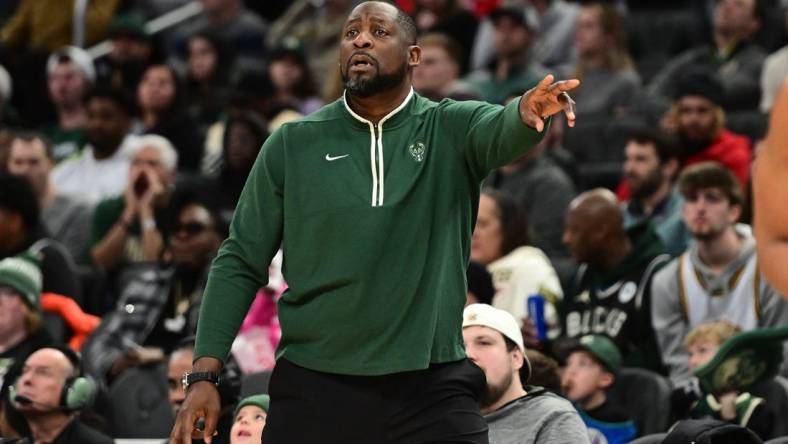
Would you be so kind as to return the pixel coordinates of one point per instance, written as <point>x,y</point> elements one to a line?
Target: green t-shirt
<point>375,231</point>
<point>65,142</point>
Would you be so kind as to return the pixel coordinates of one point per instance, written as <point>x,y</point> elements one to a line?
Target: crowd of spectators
<point>120,170</point>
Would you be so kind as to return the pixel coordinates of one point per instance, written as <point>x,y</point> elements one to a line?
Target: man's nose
<point>363,40</point>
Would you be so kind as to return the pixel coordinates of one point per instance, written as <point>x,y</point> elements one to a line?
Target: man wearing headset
<point>48,394</point>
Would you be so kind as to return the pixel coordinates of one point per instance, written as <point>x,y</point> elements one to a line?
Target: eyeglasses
<point>190,228</point>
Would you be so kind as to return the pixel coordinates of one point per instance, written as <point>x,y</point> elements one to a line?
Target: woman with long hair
<point>500,242</point>
<point>607,74</point>
<point>160,101</point>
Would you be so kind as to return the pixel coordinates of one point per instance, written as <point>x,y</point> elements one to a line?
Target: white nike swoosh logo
<point>331,159</point>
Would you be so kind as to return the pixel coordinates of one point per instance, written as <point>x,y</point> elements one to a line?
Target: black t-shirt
<point>20,351</point>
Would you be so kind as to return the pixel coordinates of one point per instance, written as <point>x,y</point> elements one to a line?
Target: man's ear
<point>735,212</point>
<point>671,167</point>
<point>517,359</point>
<point>414,56</point>
<point>606,380</point>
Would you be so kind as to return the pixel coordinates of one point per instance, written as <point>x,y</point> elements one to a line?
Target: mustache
<point>364,53</point>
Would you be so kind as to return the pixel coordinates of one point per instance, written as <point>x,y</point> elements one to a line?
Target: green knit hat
<point>262,401</point>
<point>23,274</point>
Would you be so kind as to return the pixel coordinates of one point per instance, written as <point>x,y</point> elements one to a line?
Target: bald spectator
<point>733,56</point>
<point>438,74</point>
<point>66,217</point>
<point>70,74</point>
<point>771,192</point>
<point>511,72</point>
<point>612,289</point>
<point>718,277</point>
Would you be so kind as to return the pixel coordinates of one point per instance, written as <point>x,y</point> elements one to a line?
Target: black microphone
<point>24,400</point>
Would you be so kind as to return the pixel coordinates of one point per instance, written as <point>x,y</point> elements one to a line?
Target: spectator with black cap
<point>133,48</point>
<point>511,71</point>
<point>698,119</point>
<point>515,413</point>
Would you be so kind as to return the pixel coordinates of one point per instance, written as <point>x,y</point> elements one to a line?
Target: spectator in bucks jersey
<point>612,293</point>
<point>375,197</point>
<point>718,276</point>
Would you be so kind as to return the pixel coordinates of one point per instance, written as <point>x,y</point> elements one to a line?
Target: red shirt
<point>731,150</point>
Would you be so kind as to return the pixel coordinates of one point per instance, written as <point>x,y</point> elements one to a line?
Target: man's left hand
<point>548,98</point>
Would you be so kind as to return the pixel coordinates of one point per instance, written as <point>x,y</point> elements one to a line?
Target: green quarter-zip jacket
<point>375,222</point>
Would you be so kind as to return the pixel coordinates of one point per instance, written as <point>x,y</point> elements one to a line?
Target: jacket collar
<point>391,119</point>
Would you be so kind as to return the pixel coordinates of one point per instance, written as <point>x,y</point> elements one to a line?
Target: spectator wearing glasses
<point>159,305</point>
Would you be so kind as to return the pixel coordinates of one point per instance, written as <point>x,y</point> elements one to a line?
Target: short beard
<point>648,186</point>
<point>493,393</point>
<point>378,83</point>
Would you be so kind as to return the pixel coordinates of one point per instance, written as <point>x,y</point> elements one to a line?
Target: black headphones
<point>78,391</point>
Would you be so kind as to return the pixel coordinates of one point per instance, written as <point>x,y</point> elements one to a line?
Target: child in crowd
<point>591,367</point>
<point>732,406</point>
<point>249,421</point>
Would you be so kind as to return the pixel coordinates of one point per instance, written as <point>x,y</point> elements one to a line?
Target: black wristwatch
<point>190,378</point>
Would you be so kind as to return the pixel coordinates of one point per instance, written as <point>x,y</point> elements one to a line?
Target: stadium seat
<point>646,395</point>
<point>139,404</point>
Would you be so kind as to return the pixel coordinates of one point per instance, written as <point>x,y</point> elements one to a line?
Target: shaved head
<point>594,222</point>
<point>598,206</point>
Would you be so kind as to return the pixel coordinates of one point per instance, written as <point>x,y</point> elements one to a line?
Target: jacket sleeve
<point>668,321</point>
<point>241,266</point>
<point>491,135</point>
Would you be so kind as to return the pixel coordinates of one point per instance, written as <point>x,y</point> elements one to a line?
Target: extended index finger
<point>564,86</point>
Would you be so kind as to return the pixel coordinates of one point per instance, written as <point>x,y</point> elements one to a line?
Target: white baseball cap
<point>499,320</point>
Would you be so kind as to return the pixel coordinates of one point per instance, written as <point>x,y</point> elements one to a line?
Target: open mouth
<point>243,433</point>
<point>361,61</point>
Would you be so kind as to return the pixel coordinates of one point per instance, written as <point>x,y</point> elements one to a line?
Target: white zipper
<point>376,148</point>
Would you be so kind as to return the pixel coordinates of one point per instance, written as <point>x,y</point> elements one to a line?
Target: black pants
<point>438,405</point>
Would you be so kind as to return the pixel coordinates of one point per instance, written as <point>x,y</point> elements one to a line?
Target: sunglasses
<point>190,228</point>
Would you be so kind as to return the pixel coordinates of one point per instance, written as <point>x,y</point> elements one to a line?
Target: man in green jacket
<point>373,199</point>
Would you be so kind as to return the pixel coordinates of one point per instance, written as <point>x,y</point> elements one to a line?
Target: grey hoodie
<point>669,320</point>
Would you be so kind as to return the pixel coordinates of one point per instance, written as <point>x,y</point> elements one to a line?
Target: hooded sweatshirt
<point>687,293</point>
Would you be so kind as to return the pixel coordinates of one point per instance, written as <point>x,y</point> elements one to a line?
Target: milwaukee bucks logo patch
<point>417,151</point>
